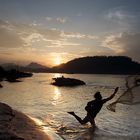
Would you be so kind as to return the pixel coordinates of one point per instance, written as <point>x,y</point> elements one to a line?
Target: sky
<point>51,32</point>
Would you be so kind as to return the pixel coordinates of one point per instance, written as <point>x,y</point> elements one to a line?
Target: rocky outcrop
<point>15,125</point>
<point>62,81</point>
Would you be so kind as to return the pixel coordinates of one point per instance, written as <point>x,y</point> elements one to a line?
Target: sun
<point>57,61</point>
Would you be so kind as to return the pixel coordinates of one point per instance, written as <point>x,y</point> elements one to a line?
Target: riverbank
<point>15,125</point>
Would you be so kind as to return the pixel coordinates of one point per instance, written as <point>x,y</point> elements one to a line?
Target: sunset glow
<point>57,61</point>
<point>53,32</point>
<point>57,75</point>
<point>57,95</point>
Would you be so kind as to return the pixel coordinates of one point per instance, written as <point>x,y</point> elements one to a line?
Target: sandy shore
<point>15,125</point>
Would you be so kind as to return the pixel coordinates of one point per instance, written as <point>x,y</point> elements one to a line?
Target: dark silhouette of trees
<point>100,65</point>
<point>12,75</point>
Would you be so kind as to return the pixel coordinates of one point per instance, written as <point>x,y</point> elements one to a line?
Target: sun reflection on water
<point>57,95</point>
<point>57,75</point>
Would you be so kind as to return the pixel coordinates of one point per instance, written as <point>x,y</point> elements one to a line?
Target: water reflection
<point>57,75</point>
<point>57,95</point>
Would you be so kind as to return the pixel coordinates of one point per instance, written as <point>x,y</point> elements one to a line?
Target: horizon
<point>24,65</point>
<point>51,32</point>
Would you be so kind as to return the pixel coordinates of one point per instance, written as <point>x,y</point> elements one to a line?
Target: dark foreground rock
<point>15,125</point>
<point>62,81</point>
<point>9,136</point>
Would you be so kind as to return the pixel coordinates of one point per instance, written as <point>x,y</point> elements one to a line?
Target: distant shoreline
<point>85,73</point>
<point>119,65</point>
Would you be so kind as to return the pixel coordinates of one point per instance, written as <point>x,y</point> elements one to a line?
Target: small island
<point>62,81</point>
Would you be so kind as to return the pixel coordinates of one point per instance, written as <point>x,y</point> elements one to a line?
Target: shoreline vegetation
<point>100,65</point>
<point>15,125</point>
<point>12,75</point>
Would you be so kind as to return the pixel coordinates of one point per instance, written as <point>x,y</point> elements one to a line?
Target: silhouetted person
<point>93,107</point>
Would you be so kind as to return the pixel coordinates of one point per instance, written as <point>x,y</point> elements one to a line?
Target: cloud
<point>23,57</point>
<point>35,23</point>
<point>50,33</point>
<point>9,38</point>
<point>117,15</point>
<point>32,38</point>
<point>50,38</point>
<point>14,35</point>
<point>24,35</point>
<point>111,42</point>
<point>24,42</point>
<point>61,43</point>
<point>126,43</point>
<point>77,35</point>
<point>124,17</point>
<point>61,19</point>
<point>57,20</point>
<point>28,43</point>
<point>48,18</point>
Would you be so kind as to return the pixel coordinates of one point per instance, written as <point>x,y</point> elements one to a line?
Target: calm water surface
<point>36,97</point>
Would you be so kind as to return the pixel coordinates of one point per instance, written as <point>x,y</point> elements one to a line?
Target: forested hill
<point>100,65</point>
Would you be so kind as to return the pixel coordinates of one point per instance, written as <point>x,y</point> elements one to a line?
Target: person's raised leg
<point>84,121</point>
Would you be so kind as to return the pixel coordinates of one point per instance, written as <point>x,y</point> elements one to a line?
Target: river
<point>36,97</point>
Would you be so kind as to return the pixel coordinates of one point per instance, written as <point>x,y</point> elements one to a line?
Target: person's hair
<point>97,95</point>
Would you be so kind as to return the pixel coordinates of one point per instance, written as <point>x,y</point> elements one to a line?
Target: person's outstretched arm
<point>109,98</point>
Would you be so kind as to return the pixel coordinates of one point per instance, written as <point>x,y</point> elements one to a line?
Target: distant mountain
<point>32,67</point>
<point>35,67</point>
<point>100,65</point>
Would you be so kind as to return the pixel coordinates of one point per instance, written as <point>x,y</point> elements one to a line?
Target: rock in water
<point>62,81</point>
